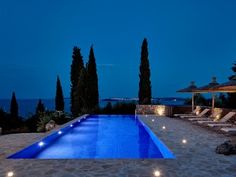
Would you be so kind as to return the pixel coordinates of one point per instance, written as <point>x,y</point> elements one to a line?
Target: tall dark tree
<point>92,82</point>
<point>59,100</point>
<point>40,107</point>
<point>14,106</point>
<point>81,99</point>
<point>145,94</point>
<point>231,99</point>
<point>14,112</point>
<point>76,67</point>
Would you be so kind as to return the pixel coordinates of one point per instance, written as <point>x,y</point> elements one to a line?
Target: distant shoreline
<point>27,106</point>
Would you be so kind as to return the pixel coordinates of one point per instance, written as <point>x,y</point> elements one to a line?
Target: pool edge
<point>165,151</point>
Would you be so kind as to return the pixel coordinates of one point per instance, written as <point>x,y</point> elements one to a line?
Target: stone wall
<point>162,110</point>
<point>159,110</point>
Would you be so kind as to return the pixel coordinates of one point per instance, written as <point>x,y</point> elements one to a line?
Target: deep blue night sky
<point>188,40</point>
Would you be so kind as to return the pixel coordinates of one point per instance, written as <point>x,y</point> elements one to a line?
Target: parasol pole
<point>192,102</point>
<point>213,103</point>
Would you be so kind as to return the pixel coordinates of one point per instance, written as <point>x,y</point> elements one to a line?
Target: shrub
<point>43,120</point>
<point>119,108</point>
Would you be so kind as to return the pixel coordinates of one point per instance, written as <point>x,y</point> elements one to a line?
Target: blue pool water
<point>99,136</point>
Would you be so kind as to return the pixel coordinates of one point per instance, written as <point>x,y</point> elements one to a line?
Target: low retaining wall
<point>162,110</point>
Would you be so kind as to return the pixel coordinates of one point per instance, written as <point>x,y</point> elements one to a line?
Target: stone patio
<point>196,158</point>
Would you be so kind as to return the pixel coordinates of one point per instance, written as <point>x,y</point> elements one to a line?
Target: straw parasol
<point>190,89</point>
<point>228,87</point>
<point>209,88</point>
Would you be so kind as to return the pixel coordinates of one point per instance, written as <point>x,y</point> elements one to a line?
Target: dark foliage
<point>60,119</point>
<point>118,108</point>
<point>10,125</point>
<point>144,93</point>
<point>76,67</point>
<point>231,99</point>
<point>92,83</point>
<point>4,124</point>
<point>59,100</point>
<point>199,100</point>
<point>31,122</point>
<point>81,99</point>
<point>222,101</point>
<point>40,107</point>
<point>14,119</point>
<point>14,106</point>
<point>108,108</point>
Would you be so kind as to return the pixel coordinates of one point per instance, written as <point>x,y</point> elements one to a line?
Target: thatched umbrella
<point>190,89</point>
<point>209,88</point>
<point>228,87</point>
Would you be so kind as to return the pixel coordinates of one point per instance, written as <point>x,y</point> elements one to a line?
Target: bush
<point>11,125</point>
<point>32,122</point>
<point>199,100</point>
<point>118,108</point>
<point>60,117</point>
<point>43,120</point>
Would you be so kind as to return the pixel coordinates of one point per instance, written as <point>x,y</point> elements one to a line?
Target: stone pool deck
<point>196,158</point>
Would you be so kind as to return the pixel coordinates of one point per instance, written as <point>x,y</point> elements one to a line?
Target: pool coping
<point>165,151</point>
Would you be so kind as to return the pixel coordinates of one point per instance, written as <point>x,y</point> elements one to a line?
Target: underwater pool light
<point>41,143</point>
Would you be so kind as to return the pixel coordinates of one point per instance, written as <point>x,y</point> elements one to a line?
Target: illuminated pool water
<point>99,136</point>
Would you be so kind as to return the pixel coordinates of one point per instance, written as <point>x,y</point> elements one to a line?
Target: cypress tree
<point>92,82</point>
<point>59,100</point>
<point>81,94</point>
<point>40,107</point>
<point>144,93</point>
<point>14,112</point>
<point>76,67</point>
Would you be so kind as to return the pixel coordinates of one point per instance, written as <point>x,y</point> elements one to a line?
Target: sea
<point>27,107</point>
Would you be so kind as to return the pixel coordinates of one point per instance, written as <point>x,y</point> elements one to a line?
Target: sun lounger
<point>200,119</point>
<point>220,125</point>
<point>230,130</point>
<point>215,113</point>
<point>203,113</point>
<point>194,113</point>
<point>224,119</point>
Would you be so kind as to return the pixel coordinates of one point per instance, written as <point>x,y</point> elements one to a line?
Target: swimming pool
<point>98,136</point>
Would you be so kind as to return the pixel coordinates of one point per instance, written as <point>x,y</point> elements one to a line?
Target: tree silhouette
<point>59,100</point>
<point>14,112</point>
<point>81,98</point>
<point>144,94</point>
<point>92,82</point>
<point>40,107</point>
<point>76,67</point>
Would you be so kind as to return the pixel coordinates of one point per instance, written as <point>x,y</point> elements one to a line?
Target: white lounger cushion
<point>229,129</point>
<point>200,115</point>
<point>200,119</point>
<point>198,108</point>
<point>219,125</point>
<point>190,114</point>
<point>206,121</point>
